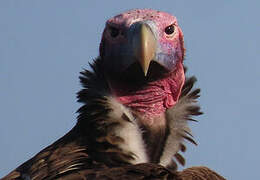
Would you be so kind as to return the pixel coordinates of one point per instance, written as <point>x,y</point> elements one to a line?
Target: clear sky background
<point>45,44</point>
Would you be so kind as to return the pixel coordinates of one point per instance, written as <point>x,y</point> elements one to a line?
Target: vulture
<point>136,104</point>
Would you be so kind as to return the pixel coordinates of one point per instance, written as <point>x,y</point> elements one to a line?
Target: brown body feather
<point>98,147</point>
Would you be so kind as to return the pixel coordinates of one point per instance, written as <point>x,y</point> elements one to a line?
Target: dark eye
<point>169,29</point>
<point>114,32</point>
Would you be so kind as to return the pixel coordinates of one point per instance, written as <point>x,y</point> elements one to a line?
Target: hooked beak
<point>144,45</point>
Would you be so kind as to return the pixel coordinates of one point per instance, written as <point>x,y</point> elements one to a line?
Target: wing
<point>138,172</point>
<point>156,172</point>
<point>64,156</point>
<point>198,173</point>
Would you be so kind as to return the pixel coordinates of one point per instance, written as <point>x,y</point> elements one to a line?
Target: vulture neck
<point>151,100</point>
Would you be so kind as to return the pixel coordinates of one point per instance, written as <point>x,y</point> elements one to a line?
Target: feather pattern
<point>177,117</point>
<point>117,135</point>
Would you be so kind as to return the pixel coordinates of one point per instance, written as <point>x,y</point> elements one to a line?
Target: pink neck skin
<point>153,100</point>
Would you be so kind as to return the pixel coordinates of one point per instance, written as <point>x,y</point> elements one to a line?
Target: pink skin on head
<point>152,100</point>
<point>127,18</point>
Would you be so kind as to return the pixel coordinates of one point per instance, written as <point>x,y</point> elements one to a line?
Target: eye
<point>169,29</point>
<point>114,32</point>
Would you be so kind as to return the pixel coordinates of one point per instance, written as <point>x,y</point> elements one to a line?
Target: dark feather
<point>182,147</point>
<point>189,139</point>
<point>180,158</point>
<point>188,85</point>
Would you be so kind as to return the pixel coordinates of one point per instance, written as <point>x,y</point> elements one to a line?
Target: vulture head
<point>143,55</point>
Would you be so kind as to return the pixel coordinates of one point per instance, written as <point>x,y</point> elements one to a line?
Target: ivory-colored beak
<point>145,45</point>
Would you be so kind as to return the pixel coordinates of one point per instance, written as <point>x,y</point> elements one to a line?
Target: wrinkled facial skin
<point>117,47</point>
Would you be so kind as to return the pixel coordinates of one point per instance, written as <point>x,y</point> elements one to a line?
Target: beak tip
<point>145,66</point>
<point>145,73</point>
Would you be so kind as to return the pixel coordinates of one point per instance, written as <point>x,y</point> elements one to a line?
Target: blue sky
<point>45,44</point>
